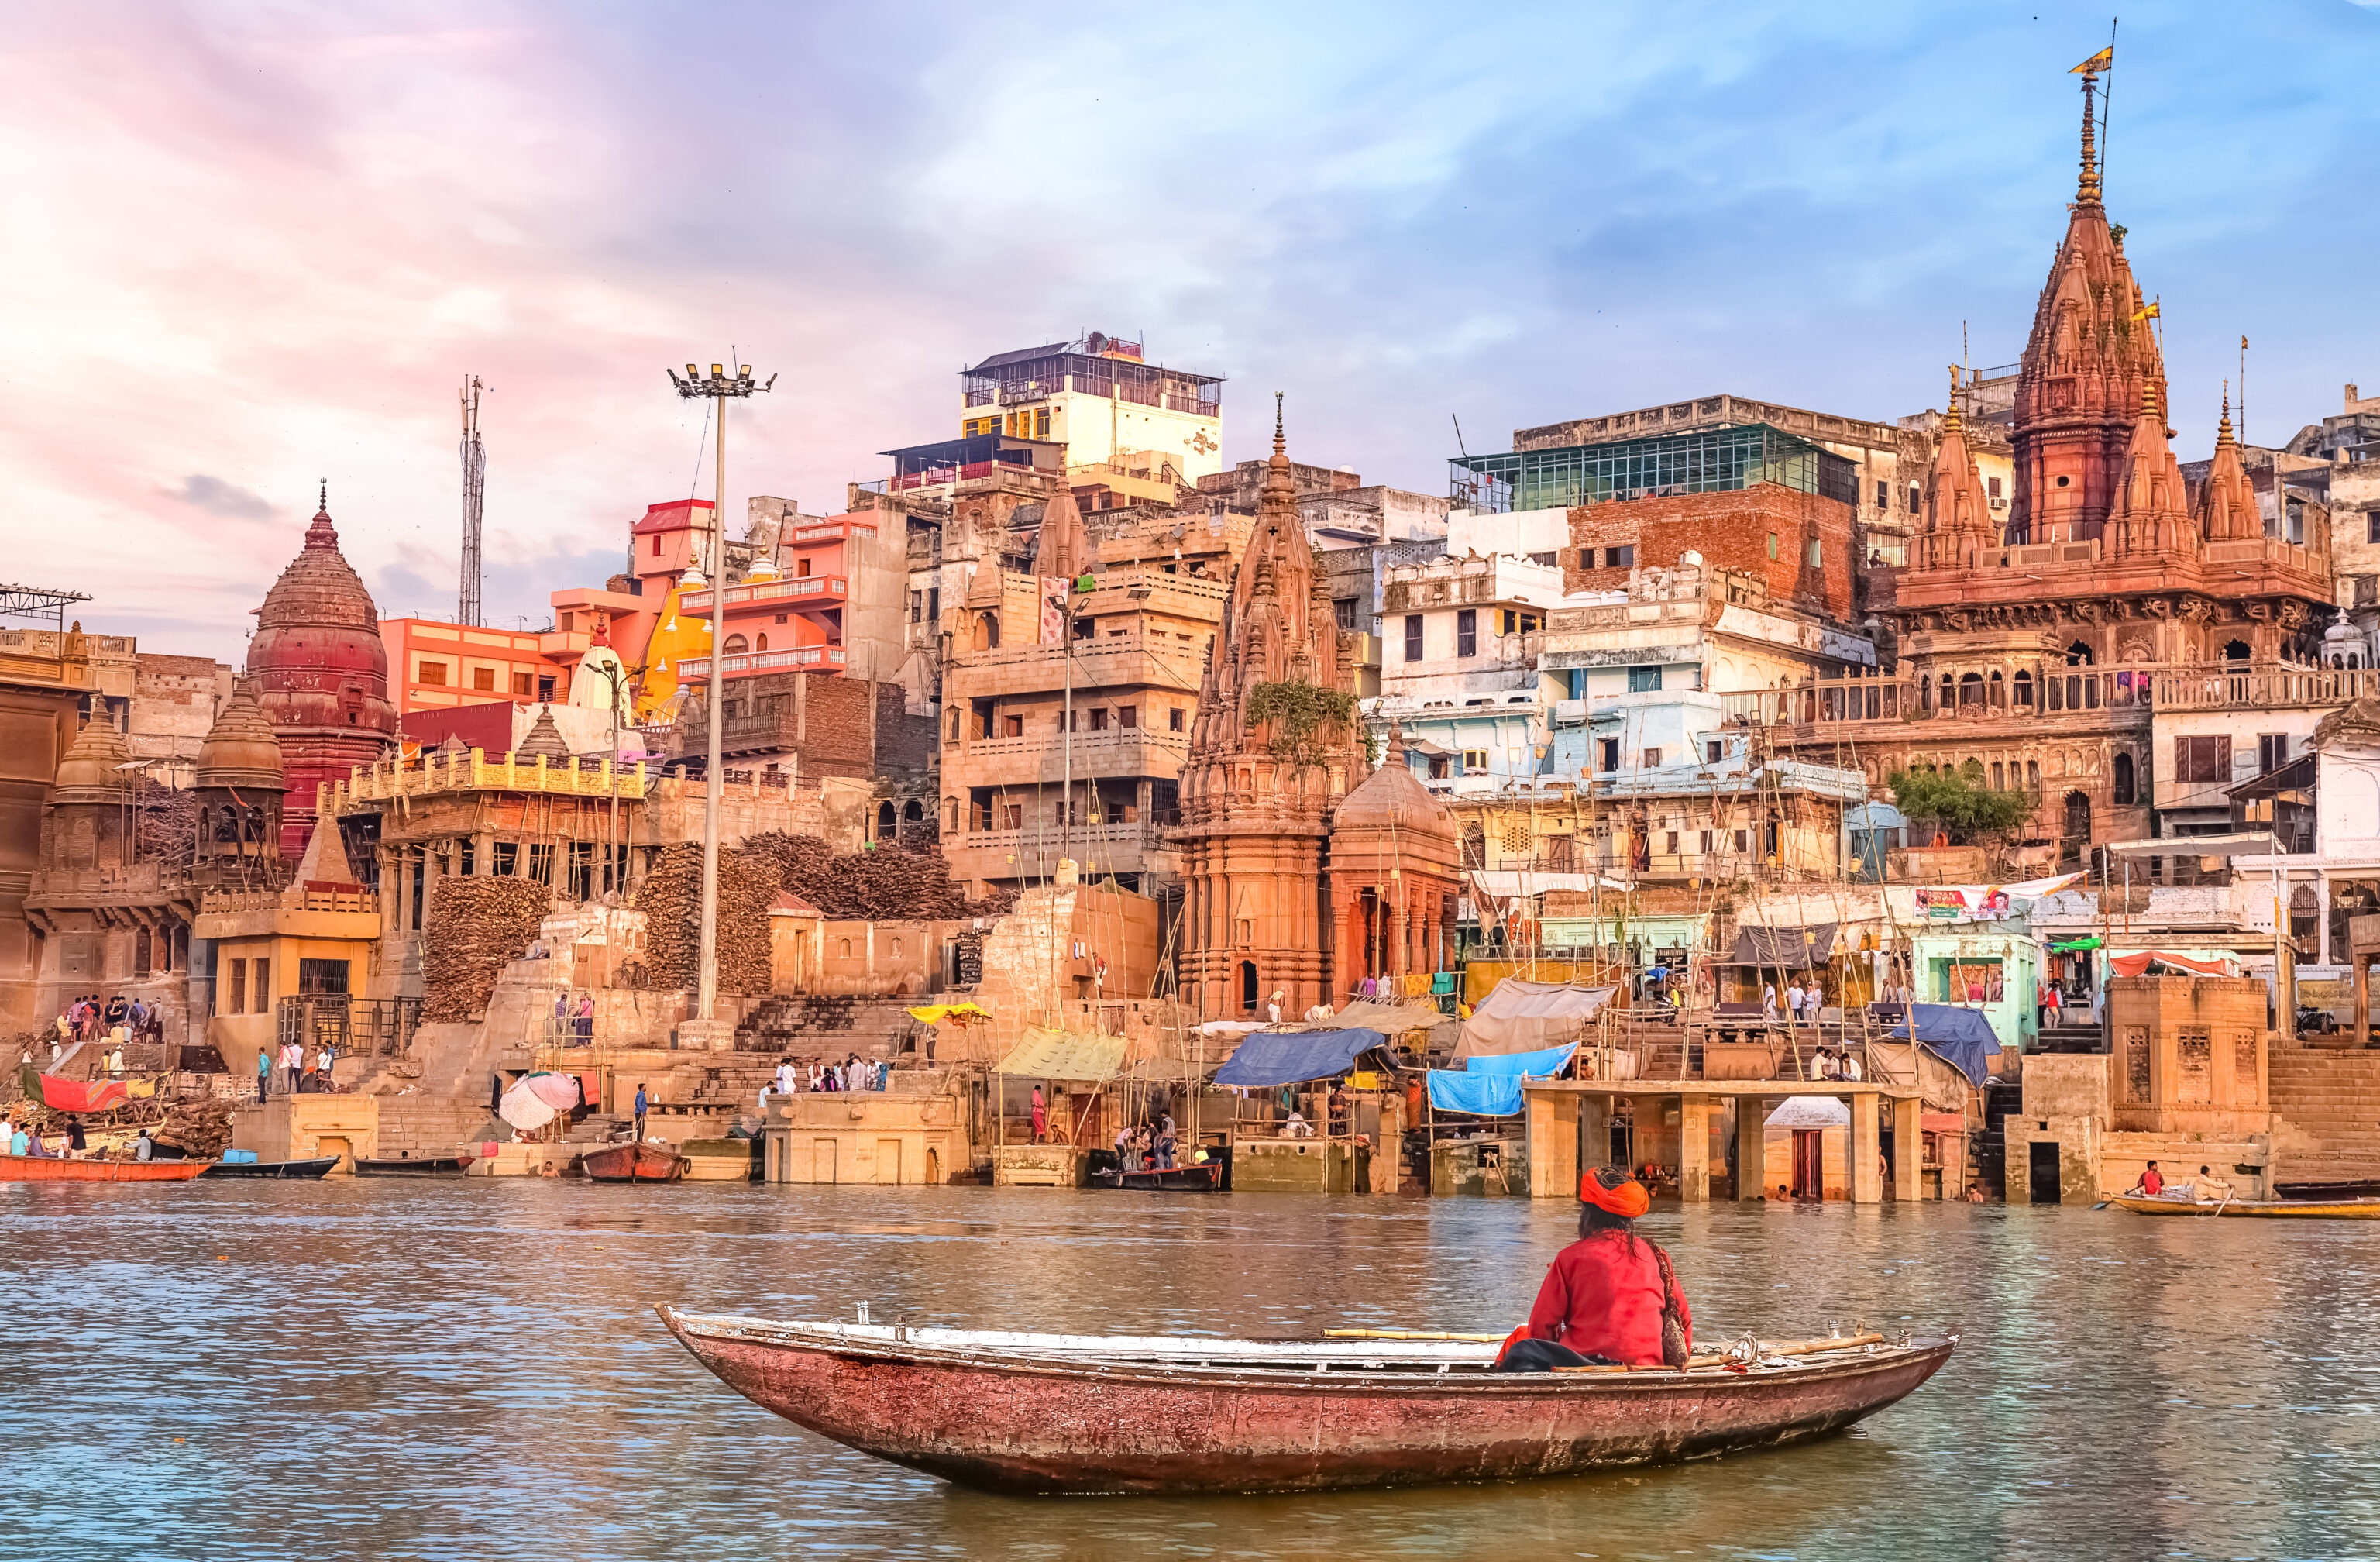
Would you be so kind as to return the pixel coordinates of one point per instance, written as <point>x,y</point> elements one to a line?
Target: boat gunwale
<point>2253,1209</point>
<point>1288,1374</point>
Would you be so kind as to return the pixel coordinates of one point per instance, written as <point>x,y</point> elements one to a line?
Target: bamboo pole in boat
<point>1767,1347</point>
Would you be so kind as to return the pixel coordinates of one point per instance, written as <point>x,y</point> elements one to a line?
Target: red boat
<point>634,1163</point>
<point>1082,1415</point>
<point>46,1168</point>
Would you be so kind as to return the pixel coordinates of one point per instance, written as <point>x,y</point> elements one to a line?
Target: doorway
<point>888,1162</point>
<point>331,1144</point>
<point>2041,1170</point>
<point>822,1160</point>
<point>1809,1164</point>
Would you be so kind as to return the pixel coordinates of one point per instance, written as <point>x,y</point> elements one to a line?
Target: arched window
<point>1999,692</point>
<point>2079,655</point>
<point>1999,783</point>
<point>762,645</point>
<point>2023,686</point>
<point>844,947</point>
<point>1972,772</point>
<point>987,631</point>
<point>2120,790</point>
<point>913,811</point>
<point>2076,836</point>
<point>951,815</point>
<point>954,722</point>
<point>884,825</point>
<point>896,948</point>
<point>2033,775</point>
<point>144,954</point>
<point>1248,986</point>
<point>1950,694</point>
<point>1971,692</point>
<point>2237,651</point>
<point>737,645</point>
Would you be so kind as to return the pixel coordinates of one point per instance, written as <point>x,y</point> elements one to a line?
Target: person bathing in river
<point>1611,1297</point>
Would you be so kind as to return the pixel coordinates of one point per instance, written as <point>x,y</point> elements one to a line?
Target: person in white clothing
<point>1769,1001</point>
<point>1297,1126</point>
<point>1272,1009</point>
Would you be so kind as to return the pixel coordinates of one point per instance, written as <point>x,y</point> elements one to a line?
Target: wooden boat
<point>1075,1414</point>
<point>2267,1209</point>
<point>2332,1192</point>
<point>312,1166</point>
<point>413,1166</point>
<point>634,1163</point>
<point>46,1168</point>
<point>1202,1178</point>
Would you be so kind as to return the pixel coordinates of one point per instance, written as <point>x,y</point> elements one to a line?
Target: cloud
<point>215,497</point>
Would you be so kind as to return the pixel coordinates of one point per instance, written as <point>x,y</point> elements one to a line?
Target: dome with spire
<point>1393,799</point>
<point>240,749</point>
<point>89,770</point>
<point>544,741</point>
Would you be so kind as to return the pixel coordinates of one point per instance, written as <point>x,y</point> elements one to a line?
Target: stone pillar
<point>2363,995</point>
<point>1867,1176</point>
<point>1694,1149</point>
<point>2322,918</point>
<point>1553,1119</point>
<point>483,854</point>
<point>1751,1147</point>
<point>1594,1133</point>
<point>1908,1151</point>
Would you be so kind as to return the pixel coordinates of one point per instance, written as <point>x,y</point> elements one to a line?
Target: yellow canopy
<point>1064,1055</point>
<point>943,1013</point>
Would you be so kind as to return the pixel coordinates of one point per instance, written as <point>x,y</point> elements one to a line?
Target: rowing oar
<point>1408,1333</point>
<point>1782,1348</point>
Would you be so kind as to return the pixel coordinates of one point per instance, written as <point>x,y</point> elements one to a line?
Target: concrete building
<point>1460,670</point>
<point>1099,398</point>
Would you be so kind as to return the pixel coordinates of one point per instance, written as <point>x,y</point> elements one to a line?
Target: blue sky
<point>258,245</point>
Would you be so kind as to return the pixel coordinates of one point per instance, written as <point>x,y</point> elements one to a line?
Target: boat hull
<point>311,1168</point>
<point>44,1168</point>
<point>633,1163</point>
<point>1206,1178</point>
<point>435,1165</point>
<point>2259,1208</point>
<point>1045,1426</point>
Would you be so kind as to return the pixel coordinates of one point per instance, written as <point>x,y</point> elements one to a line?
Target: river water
<point>468,1370</point>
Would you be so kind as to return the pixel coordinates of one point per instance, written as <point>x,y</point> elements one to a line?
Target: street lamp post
<point>720,385</point>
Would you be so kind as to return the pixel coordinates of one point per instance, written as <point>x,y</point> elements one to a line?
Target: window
<point>1100,718</point>
<point>1815,558</point>
<point>1012,726</point>
<point>1705,844</point>
<point>1553,557</point>
<point>1622,557</point>
<point>1743,840</point>
<point>1644,680</point>
<point>1343,610</point>
<point>1128,717</point>
<point>1772,544</point>
<point>1011,816</point>
<point>2023,686</point>
<point>1713,752</point>
<point>1883,494</point>
<point>2202,759</point>
<point>954,724</point>
<point>2371,526</point>
<point>1608,757</point>
<point>1173,719</point>
<point>1992,489</point>
<point>523,686</point>
<point>1652,759</point>
<point>2120,790</point>
<point>263,992</point>
<point>1475,759</point>
<point>1041,422</point>
<point>1413,637</point>
<point>431,672</point>
<point>326,977</point>
<point>237,991</point>
<point>934,604</point>
<point>484,679</point>
<point>1916,496</point>
<point>1466,632</point>
<point>917,607</point>
<point>2272,752</point>
<point>1437,767</point>
<point>737,645</point>
<point>657,544</point>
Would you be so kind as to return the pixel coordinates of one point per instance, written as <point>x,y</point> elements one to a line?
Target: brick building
<point>1799,545</point>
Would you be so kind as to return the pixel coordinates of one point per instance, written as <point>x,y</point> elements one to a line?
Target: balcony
<point>1155,658</point>
<point>1033,851</point>
<point>1041,758</point>
<point>437,772</point>
<point>807,590</point>
<point>753,732</point>
<point>794,659</point>
<point>2260,686</point>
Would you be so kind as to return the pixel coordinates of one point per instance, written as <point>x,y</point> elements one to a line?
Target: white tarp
<point>524,1109</point>
<point>1811,1111</point>
<point>1525,1016</point>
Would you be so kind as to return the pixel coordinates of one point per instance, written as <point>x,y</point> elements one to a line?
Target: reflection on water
<point>461,1370</point>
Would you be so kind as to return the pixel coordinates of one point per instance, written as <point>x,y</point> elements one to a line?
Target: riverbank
<point>464,1369</point>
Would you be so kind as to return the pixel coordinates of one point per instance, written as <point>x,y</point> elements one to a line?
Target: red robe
<point>1602,1297</point>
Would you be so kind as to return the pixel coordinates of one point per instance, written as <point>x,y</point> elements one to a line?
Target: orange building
<point>435,666</point>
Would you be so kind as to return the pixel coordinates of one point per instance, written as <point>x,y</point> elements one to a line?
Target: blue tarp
<point>1291,1058</point>
<point>1962,1037</point>
<point>1484,1095</point>
<point>1541,1064</point>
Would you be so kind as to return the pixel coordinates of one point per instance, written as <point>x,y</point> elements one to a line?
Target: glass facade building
<point>1707,461</point>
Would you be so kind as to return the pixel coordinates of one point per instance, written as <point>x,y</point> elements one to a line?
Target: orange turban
<point>1628,1200</point>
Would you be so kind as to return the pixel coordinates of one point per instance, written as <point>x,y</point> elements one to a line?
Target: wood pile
<point>890,883</point>
<point>201,1130</point>
<point>671,897</point>
<point>473,927</point>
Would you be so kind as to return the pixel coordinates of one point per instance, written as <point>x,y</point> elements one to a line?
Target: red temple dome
<point>322,674</point>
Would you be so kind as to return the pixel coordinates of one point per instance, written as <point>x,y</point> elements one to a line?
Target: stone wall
<point>1730,530</point>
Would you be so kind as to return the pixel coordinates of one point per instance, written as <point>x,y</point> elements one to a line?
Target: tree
<point>1957,806</point>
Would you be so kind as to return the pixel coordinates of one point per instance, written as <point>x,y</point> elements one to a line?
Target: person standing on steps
<point>640,1113</point>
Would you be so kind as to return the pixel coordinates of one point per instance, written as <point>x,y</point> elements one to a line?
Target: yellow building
<point>308,948</point>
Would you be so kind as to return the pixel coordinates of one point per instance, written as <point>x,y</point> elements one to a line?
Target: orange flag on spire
<point>2103,60</point>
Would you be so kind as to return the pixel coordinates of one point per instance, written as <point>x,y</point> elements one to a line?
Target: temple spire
<point>2086,188</point>
<point>2223,430</point>
<point>1952,423</point>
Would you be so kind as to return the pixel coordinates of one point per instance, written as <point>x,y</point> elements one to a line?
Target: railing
<point>2259,686</point>
<point>697,669</point>
<point>1117,751</point>
<point>1176,663</point>
<point>794,589</point>
<point>353,1027</point>
<point>438,772</point>
<point>1095,842</point>
<point>2054,691</point>
<point>310,897</point>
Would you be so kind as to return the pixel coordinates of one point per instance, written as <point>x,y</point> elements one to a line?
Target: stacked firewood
<point>202,1129</point>
<point>474,926</point>
<point>890,883</point>
<point>671,897</point>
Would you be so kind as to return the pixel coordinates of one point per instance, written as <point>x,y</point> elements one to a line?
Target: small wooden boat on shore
<point>311,1167</point>
<point>1205,1177</point>
<point>412,1165</point>
<point>49,1168</point>
<point>634,1163</point>
<point>2263,1209</point>
<point>1086,1414</point>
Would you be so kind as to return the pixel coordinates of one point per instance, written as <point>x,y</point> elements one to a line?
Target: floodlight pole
<point>720,387</point>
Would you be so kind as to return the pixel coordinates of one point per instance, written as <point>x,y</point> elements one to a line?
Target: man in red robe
<point>1603,1298</point>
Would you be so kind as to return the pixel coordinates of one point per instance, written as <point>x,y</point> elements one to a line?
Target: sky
<point>258,246</point>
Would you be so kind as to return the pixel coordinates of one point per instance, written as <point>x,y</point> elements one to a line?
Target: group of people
<point>289,1061</point>
<point>1147,1146</point>
<point>1835,1063</point>
<point>2204,1189</point>
<point>824,1075</point>
<point>1802,1000</point>
<point>574,1019</point>
<point>24,1138</point>
<point>119,1018</point>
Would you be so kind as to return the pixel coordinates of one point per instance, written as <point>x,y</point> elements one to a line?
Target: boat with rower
<point>1201,1177</point>
<point>2254,1209</point>
<point>1091,1415</point>
<point>52,1168</point>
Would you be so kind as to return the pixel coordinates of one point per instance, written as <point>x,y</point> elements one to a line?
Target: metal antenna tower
<point>475,473</point>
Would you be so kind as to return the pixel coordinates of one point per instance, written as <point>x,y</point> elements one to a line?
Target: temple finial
<point>322,501</point>
<point>1952,423</point>
<point>2086,188</point>
<point>1280,445</point>
<point>2223,430</point>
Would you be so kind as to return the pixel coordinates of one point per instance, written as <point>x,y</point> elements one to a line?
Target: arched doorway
<point>1247,986</point>
<point>2237,651</point>
<point>2074,837</point>
<point>884,822</point>
<point>2119,791</point>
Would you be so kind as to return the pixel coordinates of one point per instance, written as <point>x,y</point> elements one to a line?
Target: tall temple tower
<point>1275,743</point>
<point>321,671</point>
